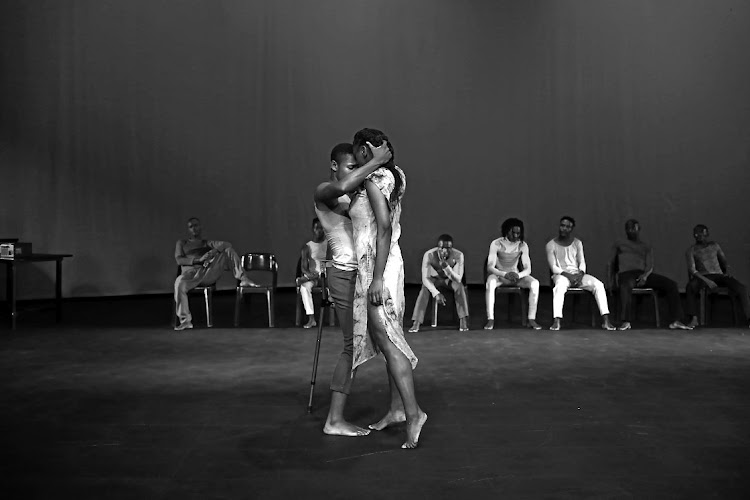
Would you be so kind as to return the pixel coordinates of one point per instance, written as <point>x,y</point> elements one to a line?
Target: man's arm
<point>525,261</point>
<point>693,272</point>
<point>723,263</point>
<point>649,266</point>
<point>383,240</point>
<point>552,259</point>
<point>219,246</point>
<point>426,281</point>
<point>492,262</point>
<point>304,262</point>
<point>180,257</point>
<point>580,257</point>
<point>328,192</point>
<point>456,273</point>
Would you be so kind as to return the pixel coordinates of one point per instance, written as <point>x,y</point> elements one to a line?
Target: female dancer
<point>379,291</point>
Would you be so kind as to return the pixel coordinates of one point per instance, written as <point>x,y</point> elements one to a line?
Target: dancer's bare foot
<point>344,428</point>
<point>679,325</point>
<point>490,324</point>
<point>533,324</point>
<point>413,429</point>
<point>693,322</point>
<point>414,327</point>
<point>310,322</point>
<point>625,326</point>
<point>555,324</point>
<point>390,418</point>
<point>463,324</point>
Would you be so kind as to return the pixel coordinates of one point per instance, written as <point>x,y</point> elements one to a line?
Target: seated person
<point>707,266</point>
<point>502,270</point>
<point>568,265</point>
<point>202,262</point>
<point>633,260</point>
<point>442,270</point>
<point>311,261</point>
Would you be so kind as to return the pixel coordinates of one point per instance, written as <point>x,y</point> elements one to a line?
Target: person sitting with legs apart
<point>442,270</point>
<point>568,265</point>
<point>633,261</point>
<point>708,267</point>
<point>503,270</point>
<point>312,255</point>
<point>202,262</point>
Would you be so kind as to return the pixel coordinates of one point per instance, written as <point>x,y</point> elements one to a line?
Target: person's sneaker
<point>183,326</point>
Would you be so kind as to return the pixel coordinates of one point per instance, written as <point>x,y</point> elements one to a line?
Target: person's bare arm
<point>649,267</point>
<point>328,192</point>
<point>551,259</point>
<point>383,240</point>
<point>693,272</point>
<point>525,261</point>
<point>304,263</point>
<point>723,263</point>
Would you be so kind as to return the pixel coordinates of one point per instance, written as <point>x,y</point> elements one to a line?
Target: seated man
<point>707,266</point>
<point>442,270</point>
<point>568,265</point>
<point>633,260</point>
<point>202,263</point>
<point>311,262</point>
<point>502,270</point>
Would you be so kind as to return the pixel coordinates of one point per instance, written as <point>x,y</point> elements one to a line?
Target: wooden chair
<point>315,290</point>
<point>510,291</point>
<point>258,265</point>
<point>208,292</point>
<point>614,291</point>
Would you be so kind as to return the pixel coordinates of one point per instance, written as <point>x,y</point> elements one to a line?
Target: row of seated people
<point>631,266</point>
<point>508,264</point>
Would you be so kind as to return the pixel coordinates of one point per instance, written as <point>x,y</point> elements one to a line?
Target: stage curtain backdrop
<point>121,119</point>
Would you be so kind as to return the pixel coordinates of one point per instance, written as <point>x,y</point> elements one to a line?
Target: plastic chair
<point>258,265</point>
<point>613,273</point>
<point>315,290</point>
<point>510,291</point>
<point>208,292</point>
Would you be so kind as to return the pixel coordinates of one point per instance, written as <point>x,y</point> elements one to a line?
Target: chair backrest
<point>261,263</point>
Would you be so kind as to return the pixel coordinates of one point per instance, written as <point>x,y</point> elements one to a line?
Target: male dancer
<point>568,265</point>
<point>202,262</point>
<point>311,261</point>
<point>633,261</point>
<point>331,207</point>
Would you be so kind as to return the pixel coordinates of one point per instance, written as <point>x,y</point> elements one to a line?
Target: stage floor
<point>113,404</point>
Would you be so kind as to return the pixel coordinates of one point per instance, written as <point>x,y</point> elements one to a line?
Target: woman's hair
<point>509,224</point>
<point>376,138</point>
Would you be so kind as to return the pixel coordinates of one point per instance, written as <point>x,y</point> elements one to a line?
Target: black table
<point>10,280</point>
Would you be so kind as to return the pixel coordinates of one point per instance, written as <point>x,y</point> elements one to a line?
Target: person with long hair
<point>379,291</point>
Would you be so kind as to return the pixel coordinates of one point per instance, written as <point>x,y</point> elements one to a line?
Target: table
<point>10,280</point>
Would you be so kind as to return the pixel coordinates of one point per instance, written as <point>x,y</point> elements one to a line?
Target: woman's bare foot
<point>693,322</point>
<point>344,428</point>
<point>490,324</point>
<point>533,324</point>
<point>412,431</point>
<point>555,324</point>
<point>390,418</point>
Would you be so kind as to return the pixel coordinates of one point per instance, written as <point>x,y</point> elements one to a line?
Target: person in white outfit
<point>311,259</point>
<point>502,270</point>
<point>568,265</point>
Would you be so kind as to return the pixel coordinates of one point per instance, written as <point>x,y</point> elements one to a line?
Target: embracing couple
<point>360,210</point>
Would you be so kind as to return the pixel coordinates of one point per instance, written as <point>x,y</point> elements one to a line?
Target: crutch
<point>325,302</point>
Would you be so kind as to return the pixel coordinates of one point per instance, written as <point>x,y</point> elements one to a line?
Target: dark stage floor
<point>113,404</point>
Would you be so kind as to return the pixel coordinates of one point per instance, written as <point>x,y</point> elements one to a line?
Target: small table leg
<point>58,290</point>
<point>10,283</point>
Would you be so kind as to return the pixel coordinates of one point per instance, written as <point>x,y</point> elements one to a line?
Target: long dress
<point>365,235</point>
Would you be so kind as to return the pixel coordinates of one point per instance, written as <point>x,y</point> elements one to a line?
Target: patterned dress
<point>365,235</point>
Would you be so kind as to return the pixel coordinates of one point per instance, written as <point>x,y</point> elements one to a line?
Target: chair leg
<point>208,295</point>
<point>237,302</point>
<point>593,307</point>
<point>269,296</point>
<point>524,312</point>
<point>656,310</point>
<point>434,312</point>
<point>702,307</point>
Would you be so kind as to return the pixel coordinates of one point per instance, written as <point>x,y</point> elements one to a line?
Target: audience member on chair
<point>502,270</point>
<point>708,267</point>
<point>311,260</point>
<point>442,271</point>
<point>633,261</point>
<point>568,266</point>
<point>202,262</point>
